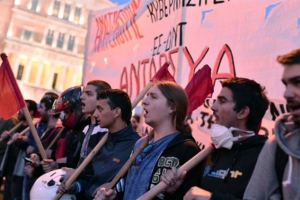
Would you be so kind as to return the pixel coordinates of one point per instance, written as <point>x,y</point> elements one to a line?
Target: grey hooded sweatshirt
<point>264,182</point>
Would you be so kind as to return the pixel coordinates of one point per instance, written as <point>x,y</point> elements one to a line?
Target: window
<point>34,4</point>
<point>60,40</point>
<point>71,43</point>
<point>27,34</point>
<point>49,38</point>
<point>77,15</point>
<point>56,8</point>
<point>54,80</point>
<point>20,72</point>
<point>67,11</point>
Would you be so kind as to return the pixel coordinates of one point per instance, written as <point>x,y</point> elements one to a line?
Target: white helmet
<point>45,186</point>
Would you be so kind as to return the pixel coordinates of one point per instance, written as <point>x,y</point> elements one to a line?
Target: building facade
<point>44,41</point>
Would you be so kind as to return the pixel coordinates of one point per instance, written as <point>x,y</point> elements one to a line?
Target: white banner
<point>126,45</point>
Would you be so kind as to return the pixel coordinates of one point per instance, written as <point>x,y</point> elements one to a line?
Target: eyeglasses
<point>142,155</point>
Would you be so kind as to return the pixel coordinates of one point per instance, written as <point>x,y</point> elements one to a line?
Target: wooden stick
<point>142,94</point>
<point>56,138</point>
<point>21,133</point>
<point>34,133</point>
<point>186,167</point>
<point>85,162</point>
<point>13,129</point>
<point>128,163</point>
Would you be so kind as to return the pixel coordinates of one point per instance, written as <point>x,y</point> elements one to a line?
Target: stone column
<point>74,77</point>
<point>16,64</point>
<point>11,28</point>
<point>27,70</point>
<point>51,76</point>
<point>45,35</point>
<point>39,73</point>
<point>62,75</point>
<point>50,9</point>
<point>66,40</point>
<point>72,12</point>
<point>61,10</point>
<point>75,50</point>
<point>55,37</point>
<point>81,19</point>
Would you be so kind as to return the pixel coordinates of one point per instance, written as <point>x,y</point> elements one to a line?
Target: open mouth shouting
<point>82,105</point>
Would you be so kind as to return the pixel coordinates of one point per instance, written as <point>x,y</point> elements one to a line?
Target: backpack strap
<point>281,159</point>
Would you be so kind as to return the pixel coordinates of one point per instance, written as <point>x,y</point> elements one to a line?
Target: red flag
<point>163,74</point>
<point>198,88</point>
<point>11,99</point>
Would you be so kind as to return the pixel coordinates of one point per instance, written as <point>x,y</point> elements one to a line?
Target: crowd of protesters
<point>244,164</point>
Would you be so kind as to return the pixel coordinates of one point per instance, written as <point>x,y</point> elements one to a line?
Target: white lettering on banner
<point>126,45</point>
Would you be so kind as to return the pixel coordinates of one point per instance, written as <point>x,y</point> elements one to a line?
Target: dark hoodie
<point>239,162</point>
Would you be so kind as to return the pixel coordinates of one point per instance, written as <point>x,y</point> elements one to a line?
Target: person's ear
<point>117,112</point>
<point>172,109</point>
<point>243,113</point>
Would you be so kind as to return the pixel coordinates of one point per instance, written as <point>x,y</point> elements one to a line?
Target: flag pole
<point>34,133</point>
<point>12,130</point>
<point>22,133</point>
<point>56,138</point>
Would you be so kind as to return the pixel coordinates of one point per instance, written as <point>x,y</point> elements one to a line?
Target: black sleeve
<point>219,196</point>
<point>192,177</point>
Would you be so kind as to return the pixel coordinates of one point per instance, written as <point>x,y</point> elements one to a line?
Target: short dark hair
<point>248,93</point>
<point>100,85</point>
<point>48,101</point>
<point>51,94</point>
<point>290,58</point>
<point>118,99</point>
<point>32,106</point>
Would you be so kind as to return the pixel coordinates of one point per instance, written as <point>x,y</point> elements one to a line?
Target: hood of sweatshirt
<point>288,135</point>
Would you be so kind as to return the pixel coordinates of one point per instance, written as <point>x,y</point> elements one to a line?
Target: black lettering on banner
<point>217,2</point>
<point>275,112</point>
<point>160,9</point>
<point>189,4</point>
<point>210,121</point>
<point>175,35</point>
<point>203,115</point>
<point>200,2</point>
<point>156,52</point>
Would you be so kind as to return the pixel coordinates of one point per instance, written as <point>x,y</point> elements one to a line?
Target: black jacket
<point>239,161</point>
<point>72,139</point>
